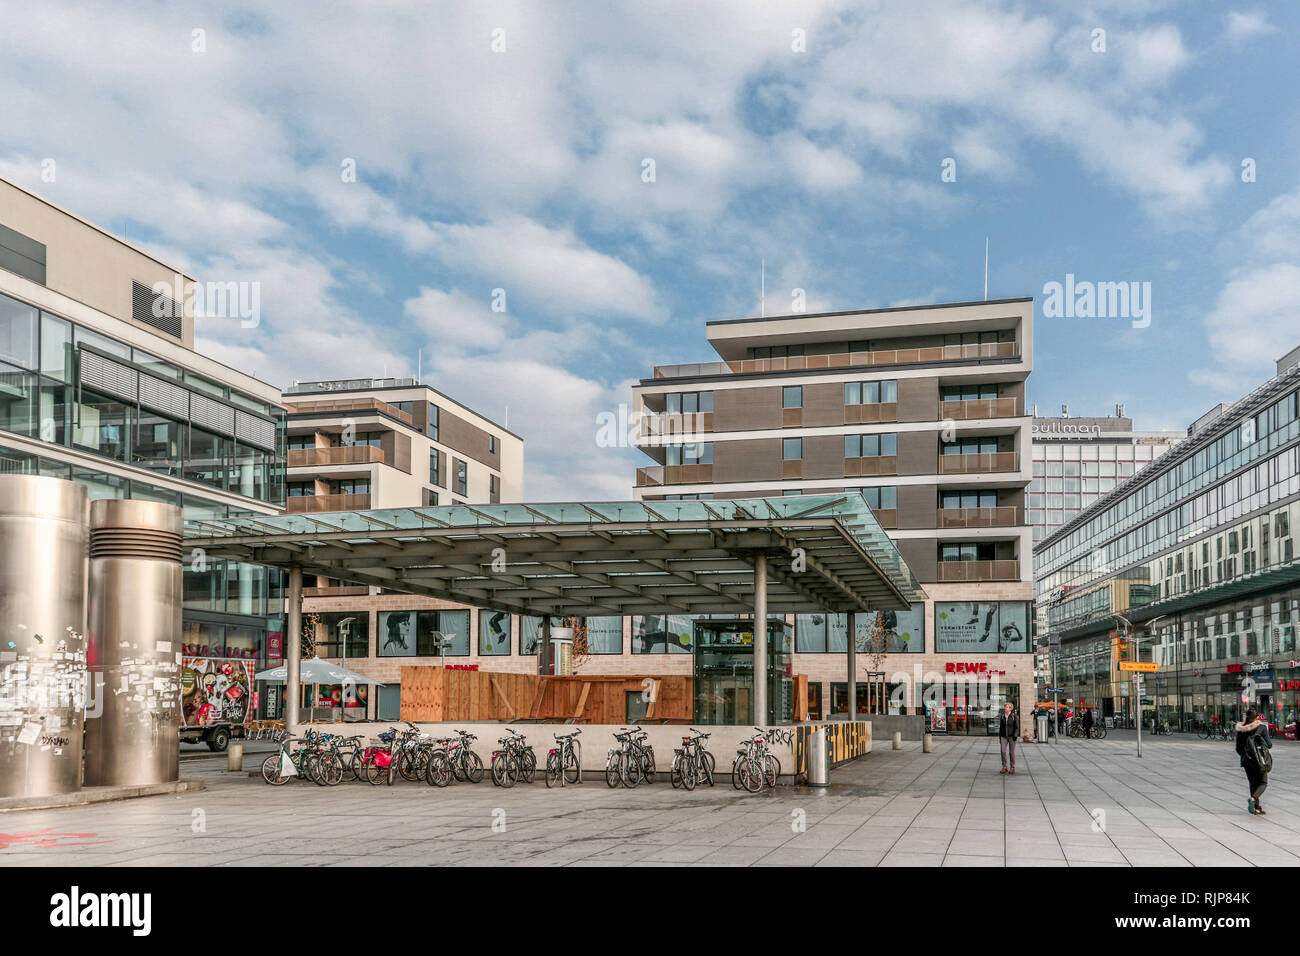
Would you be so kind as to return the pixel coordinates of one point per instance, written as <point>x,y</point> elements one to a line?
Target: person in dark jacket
<point>1257,777</point>
<point>1008,734</point>
<point>1087,722</point>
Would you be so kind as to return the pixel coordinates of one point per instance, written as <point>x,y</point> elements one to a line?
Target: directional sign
<point>1149,667</point>
<point>1056,690</point>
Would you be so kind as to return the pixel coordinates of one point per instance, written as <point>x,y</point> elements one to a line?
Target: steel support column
<point>853,665</point>
<point>760,640</point>
<point>293,653</point>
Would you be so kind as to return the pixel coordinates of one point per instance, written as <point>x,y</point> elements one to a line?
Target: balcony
<point>869,414</point>
<point>867,467</point>
<point>313,504</point>
<point>675,424</point>
<point>336,455</point>
<point>1002,516</point>
<point>340,406</point>
<point>979,463</point>
<point>936,354</point>
<point>980,408</point>
<point>673,475</point>
<point>952,572</point>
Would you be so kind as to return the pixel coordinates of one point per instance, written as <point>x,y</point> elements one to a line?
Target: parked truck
<point>217,700</point>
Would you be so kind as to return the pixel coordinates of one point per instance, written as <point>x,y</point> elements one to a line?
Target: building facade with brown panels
<point>922,411</point>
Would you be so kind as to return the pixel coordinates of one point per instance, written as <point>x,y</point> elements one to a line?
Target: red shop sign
<point>971,667</point>
<point>1288,685</point>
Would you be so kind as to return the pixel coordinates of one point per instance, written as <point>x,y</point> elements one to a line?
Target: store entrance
<point>971,708</point>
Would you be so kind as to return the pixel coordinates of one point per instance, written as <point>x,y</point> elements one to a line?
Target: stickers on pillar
<point>31,732</point>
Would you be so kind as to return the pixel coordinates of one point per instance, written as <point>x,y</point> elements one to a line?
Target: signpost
<point>1138,668</point>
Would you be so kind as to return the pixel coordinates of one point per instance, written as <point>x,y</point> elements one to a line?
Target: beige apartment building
<point>362,444</point>
<point>922,411</point>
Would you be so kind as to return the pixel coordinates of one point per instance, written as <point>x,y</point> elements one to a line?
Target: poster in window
<point>966,626</point>
<point>397,633</point>
<point>493,632</point>
<point>897,632</point>
<point>1013,627</point>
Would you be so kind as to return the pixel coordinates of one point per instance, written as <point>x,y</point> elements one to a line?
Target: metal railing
<point>1003,570</point>
<point>915,356</point>
<point>1000,516</point>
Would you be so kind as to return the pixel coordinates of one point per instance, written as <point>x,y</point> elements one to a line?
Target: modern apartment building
<point>100,384</point>
<point>921,410</point>
<point>364,444</point>
<point>1195,553</point>
<point>1078,459</point>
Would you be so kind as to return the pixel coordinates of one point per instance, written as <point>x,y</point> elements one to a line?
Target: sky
<point>546,200</point>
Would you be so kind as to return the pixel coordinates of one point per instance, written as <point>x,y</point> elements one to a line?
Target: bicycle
<point>515,761</point>
<point>466,765</point>
<point>632,761</point>
<point>1161,728</point>
<point>1214,729</point>
<point>692,762</point>
<point>563,763</point>
<point>753,765</point>
<point>307,761</point>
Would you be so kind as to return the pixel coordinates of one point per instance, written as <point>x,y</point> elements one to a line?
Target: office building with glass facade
<point>1196,554</point>
<point>100,384</point>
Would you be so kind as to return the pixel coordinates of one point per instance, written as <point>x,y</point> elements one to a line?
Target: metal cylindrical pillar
<point>44,528</point>
<point>135,643</point>
<point>293,653</point>
<point>760,640</point>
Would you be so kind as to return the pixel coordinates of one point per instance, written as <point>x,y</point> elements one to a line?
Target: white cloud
<point>457,321</point>
<point>1245,25</point>
<point>1153,56</point>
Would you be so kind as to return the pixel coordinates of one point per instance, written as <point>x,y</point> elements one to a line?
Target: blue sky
<point>520,168</point>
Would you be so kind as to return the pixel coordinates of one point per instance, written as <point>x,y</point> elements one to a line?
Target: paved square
<point>1078,803</point>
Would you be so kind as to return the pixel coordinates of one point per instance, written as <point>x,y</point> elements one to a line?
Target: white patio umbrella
<point>314,672</point>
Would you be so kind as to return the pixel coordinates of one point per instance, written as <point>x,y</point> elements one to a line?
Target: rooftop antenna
<point>506,423</point>
<point>762,288</point>
<point>986,268</point>
<point>419,368</point>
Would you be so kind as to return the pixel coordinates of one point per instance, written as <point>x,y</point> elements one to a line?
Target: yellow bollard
<point>235,757</point>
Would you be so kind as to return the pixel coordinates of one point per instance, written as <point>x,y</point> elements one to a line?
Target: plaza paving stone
<point>1075,803</point>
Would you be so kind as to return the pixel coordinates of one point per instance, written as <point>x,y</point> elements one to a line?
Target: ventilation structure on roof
<point>156,310</point>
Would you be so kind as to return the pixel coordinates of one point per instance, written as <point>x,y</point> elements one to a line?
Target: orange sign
<point>1149,667</point>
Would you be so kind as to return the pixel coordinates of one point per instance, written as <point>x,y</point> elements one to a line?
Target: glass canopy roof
<point>607,554</point>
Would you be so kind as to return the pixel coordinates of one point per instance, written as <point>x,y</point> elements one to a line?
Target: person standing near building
<point>1254,747</point>
<point>1087,722</point>
<point>1008,734</point>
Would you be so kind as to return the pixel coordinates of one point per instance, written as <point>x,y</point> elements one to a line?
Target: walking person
<point>1087,722</point>
<point>1254,746</point>
<point>1008,734</point>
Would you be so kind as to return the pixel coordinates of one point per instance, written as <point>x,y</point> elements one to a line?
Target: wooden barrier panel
<point>434,694</point>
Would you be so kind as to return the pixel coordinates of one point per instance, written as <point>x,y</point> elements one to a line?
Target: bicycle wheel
<point>437,770</point>
<point>613,770</point>
<point>552,770</point>
<point>1203,731</point>
<point>473,767</point>
<point>771,770</point>
<point>527,765</point>
<point>376,774</point>
<point>356,765</point>
<point>271,771</point>
<point>675,770</point>
<point>311,768</point>
<point>735,772</point>
<point>331,770</point>
<point>571,769</point>
<point>689,773</point>
<point>647,756</point>
<point>707,764</point>
<point>1100,731</point>
<point>503,770</point>
<point>751,774</point>
<point>629,766</point>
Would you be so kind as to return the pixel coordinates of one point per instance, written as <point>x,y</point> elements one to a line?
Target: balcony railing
<point>312,504</point>
<point>980,408</point>
<point>660,424</point>
<point>933,354</point>
<point>866,467</point>
<point>997,517</point>
<point>1003,570</point>
<point>978,463</point>
<point>673,475</point>
<point>866,414</point>
<point>335,455</point>
<point>337,405</point>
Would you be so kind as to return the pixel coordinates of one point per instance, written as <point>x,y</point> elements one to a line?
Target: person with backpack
<point>1254,747</point>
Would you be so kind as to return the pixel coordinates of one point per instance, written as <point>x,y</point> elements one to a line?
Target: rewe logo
<point>75,909</point>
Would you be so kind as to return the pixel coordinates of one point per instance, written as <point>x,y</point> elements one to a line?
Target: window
<point>301,489</point>
<point>870,393</point>
<point>981,627</point>
<point>103,426</point>
<point>792,396</point>
<point>17,333</point>
<point>494,486</point>
<point>300,442</point>
<point>350,486</point>
<point>870,446</point>
<point>156,444</point>
<point>604,634</point>
<point>462,478</point>
<point>423,634</point>
<point>700,453</point>
<point>492,444</point>
<point>688,402</point>
<point>433,421</point>
<point>343,634</point>
<point>792,449</point>
<point>885,497</point>
<point>435,476</point>
<point>493,633</point>
<point>659,634</point>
